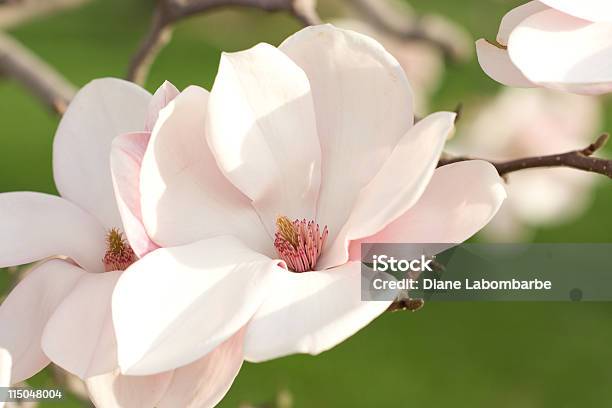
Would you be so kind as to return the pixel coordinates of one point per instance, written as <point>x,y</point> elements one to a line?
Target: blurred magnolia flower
<point>557,44</point>
<point>534,122</point>
<point>261,191</point>
<point>61,310</point>
<point>422,60</point>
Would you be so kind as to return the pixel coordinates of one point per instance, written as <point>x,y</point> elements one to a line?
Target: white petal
<point>184,195</point>
<point>126,160</point>
<point>397,186</point>
<point>6,364</point>
<point>263,132</point>
<point>593,10</point>
<point>176,305</point>
<point>161,98</point>
<point>563,52</point>
<point>204,383</point>
<point>36,226</point>
<point>101,110</point>
<point>114,390</point>
<point>79,336</point>
<point>496,63</point>
<point>515,16</point>
<point>363,106</point>
<point>310,312</point>
<point>24,314</point>
<point>460,200</point>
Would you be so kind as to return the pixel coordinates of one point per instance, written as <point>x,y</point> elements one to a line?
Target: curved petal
<point>6,364</point>
<point>496,63</point>
<point>161,98</point>
<point>25,312</point>
<point>79,336</point>
<point>562,52</point>
<point>450,210</point>
<point>126,160</point>
<point>272,153</point>
<point>397,186</point>
<point>184,196</point>
<point>310,312</point>
<point>363,106</point>
<point>100,111</point>
<point>204,383</point>
<point>515,16</point>
<point>176,305</point>
<point>592,10</point>
<point>36,226</point>
<point>114,390</point>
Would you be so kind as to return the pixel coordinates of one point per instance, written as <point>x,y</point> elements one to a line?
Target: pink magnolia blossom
<point>533,122</point>
<point>61,310</point>
<point>260,191</point>
<point>558,44</point>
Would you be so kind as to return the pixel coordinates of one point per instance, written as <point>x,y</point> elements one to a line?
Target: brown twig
<point>20,64</point>
<point>14,13</point>
<point>169,12</point>
<point>576,159</point>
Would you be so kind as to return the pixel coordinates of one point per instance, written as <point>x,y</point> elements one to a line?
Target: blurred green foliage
<point>447,354</point>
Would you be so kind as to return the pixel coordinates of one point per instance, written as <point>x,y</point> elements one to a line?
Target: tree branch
<point>576,159</point>
<point>169,12</point>
<point>20,64</point>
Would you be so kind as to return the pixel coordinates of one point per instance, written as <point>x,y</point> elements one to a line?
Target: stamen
<point>119,254</point>
<point>299,243</point>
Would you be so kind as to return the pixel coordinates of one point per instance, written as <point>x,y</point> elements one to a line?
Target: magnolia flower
<point>533,122</point>
<point>557,44</point>
<point>261,191</point>
<point>61,310</point>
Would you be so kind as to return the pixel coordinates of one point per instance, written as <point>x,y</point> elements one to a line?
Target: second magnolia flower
<point>319,129</point>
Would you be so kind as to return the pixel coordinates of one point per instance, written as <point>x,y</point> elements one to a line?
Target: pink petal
<point>114,390</point>
<point>79,336</point>
<point>310,312</point>
<point>6,364</point>
<point>126,160</point>
<point>101,110</point>
<point>397,186</point>
<point>175,305</point>
<point>205,382</point>
<point>184,195</point>
<point>593,10</point>
<point>363,106</point>
<point>24,314</point>
<point>515,16</point>
<point>37,226</point>
<point>161,98</point>
<point>496,63</point>
<point>460,199</point>
<point>272,153</point>
<point>563,52</point>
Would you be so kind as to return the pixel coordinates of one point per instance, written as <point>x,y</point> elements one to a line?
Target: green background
<point>447,354</point>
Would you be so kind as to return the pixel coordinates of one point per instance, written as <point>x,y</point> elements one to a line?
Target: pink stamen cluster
<point>299,243</point>
<point>119,254</point>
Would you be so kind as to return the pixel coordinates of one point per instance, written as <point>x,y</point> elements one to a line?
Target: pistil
<point>299,243</point>
<point>119,254</point>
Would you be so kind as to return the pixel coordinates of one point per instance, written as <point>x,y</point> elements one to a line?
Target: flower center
<point>299,243</point>
<point>119,254</point>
